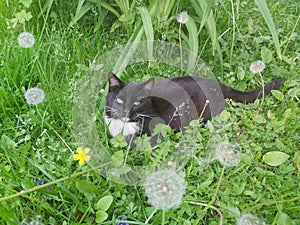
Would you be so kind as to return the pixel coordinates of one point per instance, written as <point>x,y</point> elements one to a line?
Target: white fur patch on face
<point>117,126</point>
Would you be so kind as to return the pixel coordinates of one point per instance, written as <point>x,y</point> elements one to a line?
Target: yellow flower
<point>82,155</point>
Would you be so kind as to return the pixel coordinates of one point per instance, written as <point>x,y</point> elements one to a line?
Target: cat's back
<point>179,90</point>
<point>189,84</point>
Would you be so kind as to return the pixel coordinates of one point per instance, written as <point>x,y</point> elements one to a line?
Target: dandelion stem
<point>263,88</point>
<point>181,58</point>
<point>163,218</point>
<point>150,217</point>
<point>23,192</point>
<point>204,108</point>
<point>217,189</point>
<point>210,206</point>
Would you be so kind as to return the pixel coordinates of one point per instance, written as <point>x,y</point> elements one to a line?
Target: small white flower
<point>248,219</point>
<point>227,154</point>
<point>257,66</point>
<point>183,17</point>
<point>164,189</point>
<point>34,220</point>
<point>34,96</point>
<point>26,40</point>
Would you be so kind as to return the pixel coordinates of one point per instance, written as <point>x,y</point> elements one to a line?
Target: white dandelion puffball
<point>248,219</point>
<point>227,154</point>
<point>34,96</point>
<point>164,189</point>
<point>257,67</point>
<point>26,40</point>
<point>183,17</point>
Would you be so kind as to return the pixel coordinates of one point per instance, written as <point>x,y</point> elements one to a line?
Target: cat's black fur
<point>134,109</point>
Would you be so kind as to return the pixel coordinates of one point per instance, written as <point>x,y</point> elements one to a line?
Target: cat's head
<point>127,101</point>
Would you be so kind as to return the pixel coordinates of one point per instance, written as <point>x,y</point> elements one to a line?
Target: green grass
<point>31,137</point>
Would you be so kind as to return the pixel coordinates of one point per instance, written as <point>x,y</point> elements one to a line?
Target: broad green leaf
<point>263,8</point>
<point>123,169</point>
<point>86,187</point>
<point>259,119</point>
<point>225,115</point>
<point>101,216</point>
<point>284,219</point>
<point>104,203</point>
<point>208,181</point>
<point>275,158</point>
<point>7,143</point>
<point>240,73</point>
<point>23,16</point>
<point>119,141</point>
<point>266,55</point>
<point>277,94</point>
<point>118,158</point>
<point>26,3</point>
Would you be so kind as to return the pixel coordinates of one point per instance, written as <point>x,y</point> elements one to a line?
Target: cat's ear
<point>148,84</point>
<point>114,81</point>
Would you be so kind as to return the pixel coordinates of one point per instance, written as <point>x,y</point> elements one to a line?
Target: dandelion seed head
<point>183,17</point>
<point>227,154</point>
<point>34,96</point>
<point>164,189</point>
<point>257,67</point>
<point>26,40</point>
<point>248,219</point>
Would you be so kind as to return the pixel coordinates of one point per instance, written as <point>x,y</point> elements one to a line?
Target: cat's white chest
<point>117,126</point>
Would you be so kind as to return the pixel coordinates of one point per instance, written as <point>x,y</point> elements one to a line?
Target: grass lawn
<point>41,180</point>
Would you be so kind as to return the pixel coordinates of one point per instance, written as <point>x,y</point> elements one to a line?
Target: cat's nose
<point>126,113</point>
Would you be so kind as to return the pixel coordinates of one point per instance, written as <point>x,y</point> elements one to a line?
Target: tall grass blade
<point>263,8</point>
<point>206,13</point>
<point>148,29</point>
<point>106,6</point>
<point>81,11</point>
<point>165,8</point>
<point>193,43</point>
<point>128,51</point>
<point>202,8</point>
<point>47,6</point>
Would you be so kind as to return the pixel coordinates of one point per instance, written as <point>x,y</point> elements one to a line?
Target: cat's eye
<point>120,101</point>
<point>136,103</point>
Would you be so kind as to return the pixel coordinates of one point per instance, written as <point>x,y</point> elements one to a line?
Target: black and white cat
<point>134,109</point>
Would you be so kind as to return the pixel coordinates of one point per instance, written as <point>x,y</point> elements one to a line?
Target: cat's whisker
<point>141,115</point>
